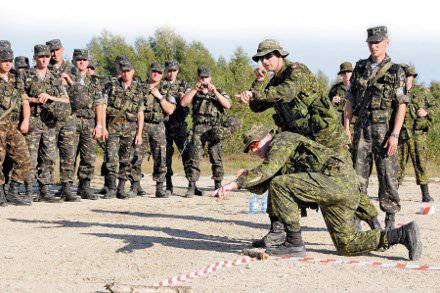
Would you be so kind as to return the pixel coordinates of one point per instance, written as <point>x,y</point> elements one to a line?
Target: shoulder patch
<point>294,65</point>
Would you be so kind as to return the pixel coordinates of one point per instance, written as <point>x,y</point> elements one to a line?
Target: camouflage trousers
<point>368,145</point>
<point>177,134</point>
<point>41,142</point>
<point>13,143</point>
<point>153,137</point>
<point>85,147</point>
<point>202,135</point>
<point>416,148</point>
<point>337,197</point>
<point>65,135</point>
<point>119,147</point>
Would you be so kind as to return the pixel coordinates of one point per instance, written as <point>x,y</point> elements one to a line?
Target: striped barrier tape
<point>427,211</point>
<point>220,265</point>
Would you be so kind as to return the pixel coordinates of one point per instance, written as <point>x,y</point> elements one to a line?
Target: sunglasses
<point>267,56</point>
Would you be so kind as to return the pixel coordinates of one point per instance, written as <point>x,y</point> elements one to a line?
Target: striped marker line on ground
<point>220,265</point>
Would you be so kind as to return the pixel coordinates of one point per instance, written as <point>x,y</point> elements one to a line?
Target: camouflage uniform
<point>294,94</point>
<point>123,106</point>
<point>298,171</point>
<point>376,92</point>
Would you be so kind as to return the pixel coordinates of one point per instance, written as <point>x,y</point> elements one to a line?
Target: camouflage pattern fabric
<point>376,99</point>
<point>65,137</point>
<point>299,171</point>
<point>118,149</point>
<point>65,67</point>
<point>338,89</point>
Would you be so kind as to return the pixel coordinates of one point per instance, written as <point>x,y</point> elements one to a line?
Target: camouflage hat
<point>119,58</point>
<point>172,65</point>
<point>54,44</point>
<point>6,54</point>
<point>125,65</point>
<point>203,72</point>
<point>80,54</point>
<point>256,133</point>
<point>41,50</point>
<point>5,44</point>
<point>377,34</point>
<point>92,64</point>
<point>21,62</point>
<point>345,67</point>
<point>410,70</point>
<point>268,46</point>
<point>157,67</point>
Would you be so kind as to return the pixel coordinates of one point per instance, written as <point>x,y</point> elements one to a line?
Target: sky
<point>321,34</point>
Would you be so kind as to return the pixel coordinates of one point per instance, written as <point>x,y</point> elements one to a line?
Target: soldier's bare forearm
<point>399,119</point>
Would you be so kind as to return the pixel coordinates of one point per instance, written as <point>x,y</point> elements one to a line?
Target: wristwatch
<point>395,135</point>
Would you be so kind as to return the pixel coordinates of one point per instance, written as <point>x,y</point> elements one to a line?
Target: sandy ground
<point>79,247</point>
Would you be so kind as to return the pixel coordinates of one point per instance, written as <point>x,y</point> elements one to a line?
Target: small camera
<point>204,86</point>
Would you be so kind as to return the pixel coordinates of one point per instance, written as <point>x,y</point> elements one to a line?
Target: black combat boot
<point>217,184</point>
<point>160,191</point>
<point>193,190</point>
<point>28,193</point>
<point>84,190</point>
<point>425,193</point>
<point>121,190</point>
<point>2,197</point>
<point>389,221</point>
<point>45,194</point>
<point>170,185</point>
<point>373,223</point>
<point>12,195</point>
<point>136,189</point>
<point>275,237</point>
<point>111,192</point>
<point>104,189</point>
<point>66,192</point>
<point>408,235</point>
<point>293,246</point>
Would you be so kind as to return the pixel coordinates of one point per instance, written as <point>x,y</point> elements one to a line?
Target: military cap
<point>156,66</point>
<point>410,70</point>
<point>377,34</point>
<point>119,58</point>
<point>125,64</point>
<point>21,62</point>
<point>256,133</point>
<point>268,46</point>
<point>54,44</point>
<point>5,44</point>
<point>41,50</point>
<point>345,67</point>
<point>92,64</point>
<point>172,65</point>
<point>6,54</point>
<point>203,72</point>
<point>80,54</point>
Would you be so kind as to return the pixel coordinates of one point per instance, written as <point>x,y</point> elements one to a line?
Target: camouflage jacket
<point>291,153</point>
<point>85,94</point>
<point>177,90</point>
<point>51,112</point>
<point>374,99</point>
<point>153,112</point>
<point>338,89</point>
<point>11,98</point>
<point>294,93</point>
<point>66,67</point>
<point>124,103</point>
<point>206,109</point>
<point>420,98</point>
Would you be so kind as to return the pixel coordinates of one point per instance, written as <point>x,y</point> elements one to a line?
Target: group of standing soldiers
<point>58,105</point>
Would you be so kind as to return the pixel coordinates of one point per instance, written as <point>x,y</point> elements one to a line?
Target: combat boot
<point>275,237</point>
<point>374,223</point>
<point>136,189</point>
<point>217,184</point>
<point>169,185</point>
<point>425,193</point>
<point>121,190</point>
<point>66,192</point>
<point>408,235</point>
<point>45,195</point>
<point>193,190</point>
<point>2,197</point>
<point>111,192</point>
<point>28,193</point>
<point>84,190</point>
<point>160,191</point>
<point>104,189</point>
<point>293,246</point>
<point>12,195</point>
<point>389,221</point>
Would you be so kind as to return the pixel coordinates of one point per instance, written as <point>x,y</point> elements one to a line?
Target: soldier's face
<point>57,55</point>
<point>5,66</point>
<point>271,62</point>
<point>378,49</point>
<point>90,71</point>
<point>42,61</point>
<point>82,64</point>
<point>127,75</point>
<point>409,82</point>
<point>346,77</point>
<point>172,74</point>
<point>205,80</point>
<point>155,76</point>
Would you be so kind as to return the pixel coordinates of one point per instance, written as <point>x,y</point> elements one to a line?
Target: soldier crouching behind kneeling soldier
<point>296,169</point>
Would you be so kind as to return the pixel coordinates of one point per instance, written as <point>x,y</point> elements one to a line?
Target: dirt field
<point>79,247</point>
